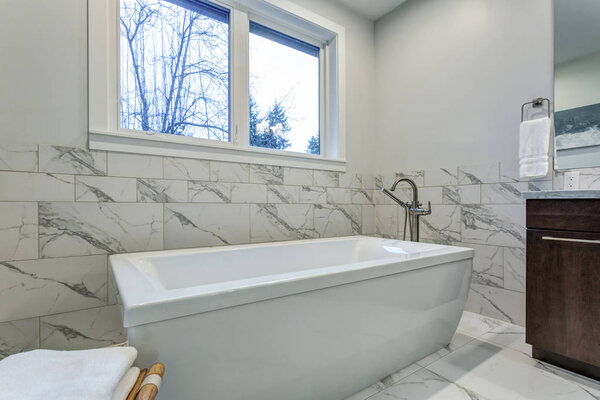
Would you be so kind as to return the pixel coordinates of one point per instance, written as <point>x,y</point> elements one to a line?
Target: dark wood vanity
<point>563,282</point>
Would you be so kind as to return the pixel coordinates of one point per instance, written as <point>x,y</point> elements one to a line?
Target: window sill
<point>186,147</point>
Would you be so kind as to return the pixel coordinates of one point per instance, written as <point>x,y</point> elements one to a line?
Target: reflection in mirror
<point>577,83</point>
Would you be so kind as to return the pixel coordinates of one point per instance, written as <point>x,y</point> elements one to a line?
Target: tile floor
<point>487,360</point>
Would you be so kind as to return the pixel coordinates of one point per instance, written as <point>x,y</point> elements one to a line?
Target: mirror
<point>577,83</point>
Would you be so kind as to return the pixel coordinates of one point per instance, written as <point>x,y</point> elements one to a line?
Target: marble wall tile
<point>17,157</point>
<point>380,198</point>
<point>442,226</point>
<point>386,220</point>
<point>514,269</point>
<point>19,336</point>
<point>496,225</point>
<point>509,172</point>
<point>384,180</point>
<point>361,196</point>
<point>283,194</point>
<point>198,225</point>
<point>113,289</point>
<point>135,165</point>
<point>432,194</point>
<point>69,160</point>
<point>186,169</point>
<point>352,180</point>
<point>463,194</point>
<point>326,178</point>
<point>476,174</point>
<point>368,220</point>
<point>337,220</point>
<point>162,191</point>
<point>271,222</point>
<point>18,231</point>
<point>210,192</point>
<point>537,186</point>
<point>105,189</point>
<point>441,176</point>
<point>229,172</point>
<point>79,330</point>
<point>502,304</point>
<point>488,264</point>
<point>298,176</point>
<point>29,186</point>
<point>503,193</point>
<point>417,176</point>
<point>312,195</point>
<point>589,179</point>
<point>268,174</point>
<point>73,229</point>
<point>339,195</point>
<point>248,193</point>
<point>48,286</point>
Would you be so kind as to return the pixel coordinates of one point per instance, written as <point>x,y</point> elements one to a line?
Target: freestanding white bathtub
<point>302,320</point>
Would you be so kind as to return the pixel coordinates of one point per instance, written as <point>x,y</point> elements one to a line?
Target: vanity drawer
<point>565,214</point>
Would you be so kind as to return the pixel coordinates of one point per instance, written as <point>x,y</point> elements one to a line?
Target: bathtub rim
<point>143,303</point>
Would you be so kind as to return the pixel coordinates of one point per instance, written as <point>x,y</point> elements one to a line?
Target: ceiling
<point>372,9</point>
<point>576,29</point>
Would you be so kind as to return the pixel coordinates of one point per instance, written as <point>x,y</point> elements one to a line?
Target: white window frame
<point>105,132</point>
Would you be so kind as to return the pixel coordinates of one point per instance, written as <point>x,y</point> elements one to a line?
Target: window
<point>284,91</point>
<point>206,79</point>
<point>175,68</point>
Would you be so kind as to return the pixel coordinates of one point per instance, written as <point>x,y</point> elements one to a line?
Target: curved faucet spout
<point>415,202</point>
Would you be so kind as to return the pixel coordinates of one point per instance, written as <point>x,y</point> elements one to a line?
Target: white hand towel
<point>65,375</point>
<point>534,144</point>
<point>126,384</point>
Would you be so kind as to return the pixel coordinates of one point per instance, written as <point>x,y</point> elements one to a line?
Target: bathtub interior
<point>201,267</point>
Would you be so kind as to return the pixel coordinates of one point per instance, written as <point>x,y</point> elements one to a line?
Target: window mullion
<point>240,126</point>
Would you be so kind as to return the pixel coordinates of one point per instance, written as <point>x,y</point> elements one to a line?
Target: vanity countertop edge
<point>562,194</point>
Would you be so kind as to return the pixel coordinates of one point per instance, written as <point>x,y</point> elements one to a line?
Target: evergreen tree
<point>314,145</point>
<point>274,136</point>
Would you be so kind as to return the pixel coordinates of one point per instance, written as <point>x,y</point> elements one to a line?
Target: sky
<point>280,72</point>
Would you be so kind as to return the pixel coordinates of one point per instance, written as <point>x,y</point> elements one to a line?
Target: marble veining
<point>70,229</point>
<point>69,160</point>
<point>281,222</point>
<point>19,336</point>
<point>40,287</point>
<point>492,363</point>
<point>17,157</point>
<point>162,191</point>
<point>266,174</point>
<point>210,192</point>
<point>18,231</point>
<point>105,189</point>
<point>340,220</point>
<point>500,225</point>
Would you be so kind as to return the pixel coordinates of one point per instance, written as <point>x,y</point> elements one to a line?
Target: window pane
<point>175,68</point>
<point>284,92</point>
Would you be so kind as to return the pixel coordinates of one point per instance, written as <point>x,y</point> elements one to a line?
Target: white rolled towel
<point>65,375</point>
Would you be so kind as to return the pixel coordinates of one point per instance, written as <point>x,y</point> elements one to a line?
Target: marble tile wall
<point>477,206</point>
<point>64,210</point>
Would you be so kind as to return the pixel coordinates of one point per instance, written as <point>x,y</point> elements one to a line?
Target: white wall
<point>577,83</point>
<point>451,78</point>
<point>43,73</point>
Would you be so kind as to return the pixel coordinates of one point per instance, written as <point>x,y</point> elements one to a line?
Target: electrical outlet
<point>572,180</point>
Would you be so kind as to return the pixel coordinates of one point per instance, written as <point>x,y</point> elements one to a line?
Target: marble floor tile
<point>475,325</point>
<point>495,366</point>
<point>508,335</point>
<point>494,372</point>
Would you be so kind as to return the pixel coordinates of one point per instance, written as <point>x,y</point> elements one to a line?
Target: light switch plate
<point>572,180</point>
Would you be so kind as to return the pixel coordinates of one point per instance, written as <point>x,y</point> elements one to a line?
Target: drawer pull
<point>558,239</point>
